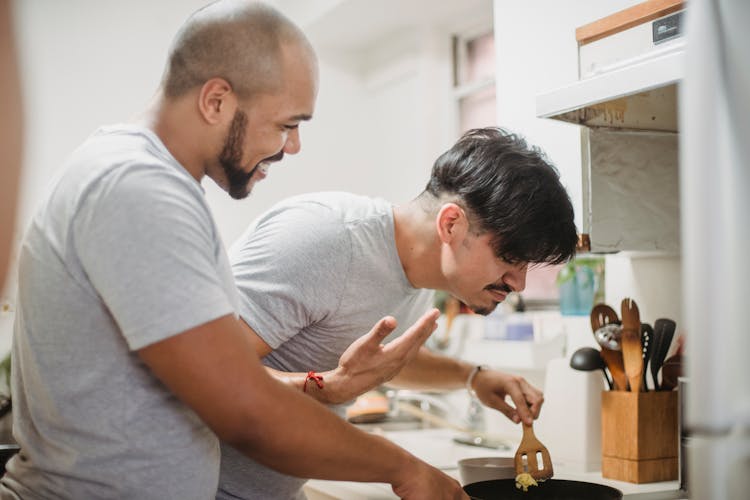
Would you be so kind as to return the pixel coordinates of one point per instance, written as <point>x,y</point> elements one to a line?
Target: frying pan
<point>552,489</point>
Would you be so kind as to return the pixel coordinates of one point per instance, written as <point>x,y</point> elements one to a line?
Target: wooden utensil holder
<point>639,436</point>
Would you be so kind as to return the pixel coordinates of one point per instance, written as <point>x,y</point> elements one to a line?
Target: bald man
<point>130,362</point>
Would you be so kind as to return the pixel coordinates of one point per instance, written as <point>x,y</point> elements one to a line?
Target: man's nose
<point>516,278</point>
<point>292,144</point>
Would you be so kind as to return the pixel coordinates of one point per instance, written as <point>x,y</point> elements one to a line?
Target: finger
<point>522,406</point>
<point>500,405</point>
<point>417,334</point>
<point>534,398</point>
<point>382,329</point>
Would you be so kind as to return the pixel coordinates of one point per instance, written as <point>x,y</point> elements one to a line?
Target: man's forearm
<point>433,371</point>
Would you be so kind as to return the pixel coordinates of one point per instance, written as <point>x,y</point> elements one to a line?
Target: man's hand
<point>367,363</point>
<point>428,483</point>
<point>493,386</point>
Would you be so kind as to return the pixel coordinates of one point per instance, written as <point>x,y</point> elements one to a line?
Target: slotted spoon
<point>527,456</point>
<point>601,315</point>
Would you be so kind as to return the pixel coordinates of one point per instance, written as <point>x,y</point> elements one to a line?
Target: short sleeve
<point>282,269</point>
<point>148,244</point>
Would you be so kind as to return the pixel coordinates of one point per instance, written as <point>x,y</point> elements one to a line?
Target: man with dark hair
<point>129,360</point>
<point>315,269</point>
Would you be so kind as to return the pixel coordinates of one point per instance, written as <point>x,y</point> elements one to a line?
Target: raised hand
<point>367,363</point>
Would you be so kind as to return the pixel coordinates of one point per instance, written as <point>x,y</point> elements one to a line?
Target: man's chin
<point>484,310</point>
<point>240,192</point>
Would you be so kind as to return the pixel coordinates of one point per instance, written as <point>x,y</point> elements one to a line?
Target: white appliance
<point>715,207</point>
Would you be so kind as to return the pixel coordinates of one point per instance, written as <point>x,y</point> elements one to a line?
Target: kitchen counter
<point>436,447</point>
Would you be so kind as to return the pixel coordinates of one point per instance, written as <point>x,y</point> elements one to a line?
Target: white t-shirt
<point>315,273</point>
<point>122,254</point>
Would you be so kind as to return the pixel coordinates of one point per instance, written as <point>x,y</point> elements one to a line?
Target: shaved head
<point>239,41</point>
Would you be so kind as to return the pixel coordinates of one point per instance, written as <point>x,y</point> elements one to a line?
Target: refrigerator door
<point>715,182</point>
<point>718,467</point>
<point>715,206</point>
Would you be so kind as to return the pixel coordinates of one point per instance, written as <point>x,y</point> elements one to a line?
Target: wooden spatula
<point>528,453</point>
<point>632,349</point>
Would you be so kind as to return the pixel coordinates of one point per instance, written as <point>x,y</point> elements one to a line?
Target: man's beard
<point>484,311</point>
<point>231,158</point>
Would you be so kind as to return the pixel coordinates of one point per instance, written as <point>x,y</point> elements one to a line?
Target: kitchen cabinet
<point>626,103</point>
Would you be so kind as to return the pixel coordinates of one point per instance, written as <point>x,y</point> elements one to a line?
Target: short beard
<point>484,311</point>
<point>231,158</point>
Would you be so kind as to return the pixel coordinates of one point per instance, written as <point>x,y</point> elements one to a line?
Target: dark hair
<point>510,190</point>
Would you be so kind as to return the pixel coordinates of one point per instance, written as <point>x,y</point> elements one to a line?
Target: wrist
<point>331,394</point>
<point>472,377</point>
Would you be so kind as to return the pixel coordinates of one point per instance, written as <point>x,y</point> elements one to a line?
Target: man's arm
<point>429,370</point>
<point>365,364</point>
<point>213,369</point>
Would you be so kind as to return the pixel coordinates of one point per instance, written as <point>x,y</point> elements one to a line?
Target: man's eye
<point>291,127</point>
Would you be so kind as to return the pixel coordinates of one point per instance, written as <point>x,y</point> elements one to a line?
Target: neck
<point>418,245</point>
<point>172,121</point>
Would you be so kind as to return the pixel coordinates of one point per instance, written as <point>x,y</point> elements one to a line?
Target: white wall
<point>537,52</point>
<point>382,114</point>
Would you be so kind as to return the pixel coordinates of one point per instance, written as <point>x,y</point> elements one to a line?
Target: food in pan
<point>524,480</point>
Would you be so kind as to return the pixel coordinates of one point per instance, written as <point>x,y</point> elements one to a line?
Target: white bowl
<point>473,470</point>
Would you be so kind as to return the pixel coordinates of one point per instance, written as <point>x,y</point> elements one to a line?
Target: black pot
<point>552,489</point>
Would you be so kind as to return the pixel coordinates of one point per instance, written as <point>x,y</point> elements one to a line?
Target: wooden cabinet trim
<point>627,18</point>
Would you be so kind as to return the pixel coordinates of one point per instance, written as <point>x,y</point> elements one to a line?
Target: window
<point>474,80</point>
<point>474,93</point>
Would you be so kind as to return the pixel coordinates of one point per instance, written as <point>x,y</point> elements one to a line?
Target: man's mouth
<point>498,292</point>
<point>261,169</point>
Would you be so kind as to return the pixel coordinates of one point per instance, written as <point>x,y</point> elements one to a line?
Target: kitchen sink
<point>398,422</point>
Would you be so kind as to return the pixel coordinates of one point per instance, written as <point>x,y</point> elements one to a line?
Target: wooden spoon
<point>632,349</point>
<point>601,315</point>
<point>529,448</point>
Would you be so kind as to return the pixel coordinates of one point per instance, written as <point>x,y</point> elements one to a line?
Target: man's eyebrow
<point>302,117</point>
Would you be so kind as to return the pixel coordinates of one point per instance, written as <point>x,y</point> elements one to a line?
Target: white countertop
<point>436,447</point>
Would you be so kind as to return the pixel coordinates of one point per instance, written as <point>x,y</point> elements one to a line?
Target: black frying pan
<point>552,489</point>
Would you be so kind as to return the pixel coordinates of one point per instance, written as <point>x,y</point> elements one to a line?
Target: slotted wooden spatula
<point>528,454</point>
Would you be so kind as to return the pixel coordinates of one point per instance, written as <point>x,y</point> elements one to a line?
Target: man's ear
<point>452,223</point>
<point>216,101</point>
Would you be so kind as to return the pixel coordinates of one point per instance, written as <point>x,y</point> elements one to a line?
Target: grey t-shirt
<point>315,273</point>
<point>122,254</point>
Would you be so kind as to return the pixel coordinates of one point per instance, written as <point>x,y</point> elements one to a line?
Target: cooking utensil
<point>588,359</point>
<point>671,370</point>
<point>609,336</point>
<point>632,350</point>
<point>527,456</point>
<point>647,336</point>
<point>663,332</point>
<point>476,469</point>
<point>553,489</point>
<point>602,314</point>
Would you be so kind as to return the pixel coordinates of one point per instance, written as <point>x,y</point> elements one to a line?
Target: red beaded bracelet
<point>318,379</point>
